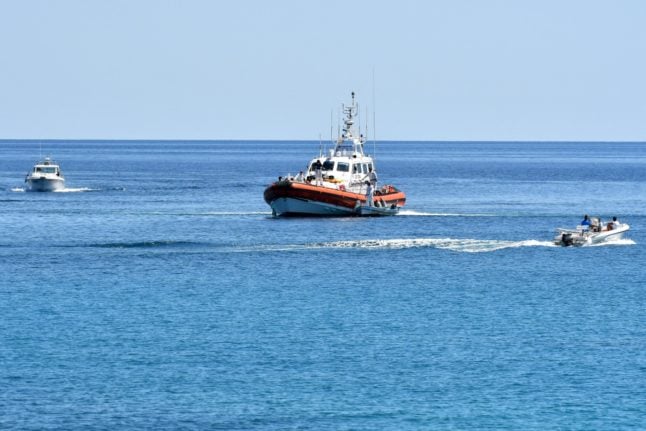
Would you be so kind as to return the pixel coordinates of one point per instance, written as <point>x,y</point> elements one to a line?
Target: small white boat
<point>596,233</point>
<point>45,176</point>
<point>377,211</point>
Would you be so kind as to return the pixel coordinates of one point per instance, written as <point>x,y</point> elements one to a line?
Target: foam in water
<point>409,213</point>
<point>75,190</point>
<point>65,190</point>
<point>468,245</point>
<point>614,242</point>
<point>461,245</point>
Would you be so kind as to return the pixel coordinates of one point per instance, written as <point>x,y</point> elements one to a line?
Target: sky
<point>509,70</point>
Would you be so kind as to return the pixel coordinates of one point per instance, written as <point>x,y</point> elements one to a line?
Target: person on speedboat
<point>586,222</point>
<point>614,224</point>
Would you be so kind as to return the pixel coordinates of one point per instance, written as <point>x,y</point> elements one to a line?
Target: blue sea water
<point>157,292</point>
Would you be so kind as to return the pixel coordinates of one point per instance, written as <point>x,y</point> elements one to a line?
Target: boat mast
<point>374,121</point>
<point>331,126</point>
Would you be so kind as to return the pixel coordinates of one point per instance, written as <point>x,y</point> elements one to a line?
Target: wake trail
<point>413,213</point>
<point>465,245</point>
<point>452,244</point>
<point>65,190</point>
<point>76,190</point>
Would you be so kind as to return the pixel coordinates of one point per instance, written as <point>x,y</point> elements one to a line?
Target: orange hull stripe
<point>326,195</point>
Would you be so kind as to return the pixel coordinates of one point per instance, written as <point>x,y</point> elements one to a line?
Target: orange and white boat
<point>341,183</point>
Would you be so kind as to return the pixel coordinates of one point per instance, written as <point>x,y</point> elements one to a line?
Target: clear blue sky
<point>445,70</point>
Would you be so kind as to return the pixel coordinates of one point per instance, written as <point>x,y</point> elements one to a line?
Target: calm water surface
<point>158,292</point>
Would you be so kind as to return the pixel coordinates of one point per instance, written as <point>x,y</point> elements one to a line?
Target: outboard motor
<point>566,239</point>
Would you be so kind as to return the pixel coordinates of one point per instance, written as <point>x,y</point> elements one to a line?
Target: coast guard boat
<point>341,183</point>
<point>45,176</point>
<point>595,233</point>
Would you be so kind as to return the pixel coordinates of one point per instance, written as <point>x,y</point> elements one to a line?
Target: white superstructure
<point>346,167</point>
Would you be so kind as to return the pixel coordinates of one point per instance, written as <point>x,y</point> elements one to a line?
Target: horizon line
<point>33,140</point>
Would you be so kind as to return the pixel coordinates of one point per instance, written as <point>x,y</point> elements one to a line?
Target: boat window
<point>355,168</point>
<point>47,170</point>
<point>370,167</point>
<point>328,165</point>
<point>365,168</point>
<point>342,167</point>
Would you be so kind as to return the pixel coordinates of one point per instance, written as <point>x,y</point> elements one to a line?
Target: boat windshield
<point>328,165</point>
<point>342,167</point>
<point>46,169</point>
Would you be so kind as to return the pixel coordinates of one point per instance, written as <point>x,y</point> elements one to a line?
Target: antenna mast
<point>331,126</point>
<point>320,146</point>
<point>374,121</point>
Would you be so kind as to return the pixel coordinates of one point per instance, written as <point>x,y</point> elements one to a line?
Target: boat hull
<point>368,211</point>
<point>44,184</point>
<point>289,198</point>
<point>578,238</point>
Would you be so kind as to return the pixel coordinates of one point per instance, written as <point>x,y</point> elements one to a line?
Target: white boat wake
<point>65,190</point>
<point>616,242</point>
<point>76,190</point>
<point>413,213</point>
<point>451,244</point>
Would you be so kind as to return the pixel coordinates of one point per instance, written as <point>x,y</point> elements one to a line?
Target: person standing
<point>372,177</point>
<point>369,194</point>
<point>318,172</point>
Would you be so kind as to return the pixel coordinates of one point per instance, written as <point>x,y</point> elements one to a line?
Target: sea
<point>158,292</point>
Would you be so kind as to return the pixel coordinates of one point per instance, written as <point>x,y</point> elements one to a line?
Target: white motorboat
<point>596,233</point>
<point>340,183</point>
<point>45,176</point>
<point>377,211</point>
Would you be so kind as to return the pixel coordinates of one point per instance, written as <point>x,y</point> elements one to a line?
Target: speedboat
<point>45,176</point>
<point>596,233</point>
<point>378,210</point>
<point>340,183</point>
